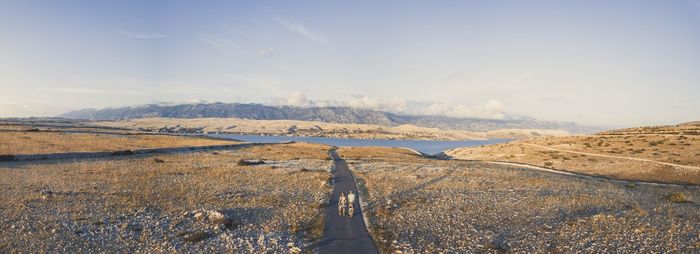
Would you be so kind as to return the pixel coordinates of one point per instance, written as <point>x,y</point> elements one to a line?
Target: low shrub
<point>7,157</point>
<point>677,197</point>
<point>123,153</point>
<point>244,162</point>
<point>194,236</point>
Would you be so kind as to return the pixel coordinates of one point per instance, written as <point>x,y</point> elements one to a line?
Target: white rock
<point>215,215</point>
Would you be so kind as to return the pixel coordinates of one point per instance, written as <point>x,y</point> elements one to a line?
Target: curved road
<point>343,234</point>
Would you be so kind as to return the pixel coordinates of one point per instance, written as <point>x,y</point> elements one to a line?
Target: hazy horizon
<point>602,63</point>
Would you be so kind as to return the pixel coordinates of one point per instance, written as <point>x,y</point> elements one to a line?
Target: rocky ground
<point>202,201</point>
<point>271,198</point>
<point>317,129</point>
<point>27,142</point>
<point>641,157</point>
<point>429,206</point>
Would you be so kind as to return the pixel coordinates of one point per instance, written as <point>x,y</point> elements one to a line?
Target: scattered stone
<point>216,215</point>
<point>295,250</point>
<point>195,236</point>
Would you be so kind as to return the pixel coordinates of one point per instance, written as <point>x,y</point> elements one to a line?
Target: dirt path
<point>343,234</point>
<point>616,157</point>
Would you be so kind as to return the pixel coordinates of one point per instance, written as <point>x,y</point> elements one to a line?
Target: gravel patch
<point>467,207</point>
<point>182,203</point>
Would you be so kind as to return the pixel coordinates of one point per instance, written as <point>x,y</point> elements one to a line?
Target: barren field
<point>167,203</point>
<point>272,198</point>
<point>430,206</point>
<point>318,129</point>
<point>32,142</point>
<point>642,157</point>
<point>380,154</point>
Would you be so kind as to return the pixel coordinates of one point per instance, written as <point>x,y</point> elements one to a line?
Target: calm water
<point>425,146</point>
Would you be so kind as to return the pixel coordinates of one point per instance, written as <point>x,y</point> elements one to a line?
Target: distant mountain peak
<point>334,114</point>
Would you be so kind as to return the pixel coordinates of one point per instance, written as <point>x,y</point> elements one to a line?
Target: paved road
<point>343,234</point>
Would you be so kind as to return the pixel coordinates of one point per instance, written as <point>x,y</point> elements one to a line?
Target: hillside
<point>315,129</point>
<point>668,154</point>
<point>343,115</point>
<point>689,128</point>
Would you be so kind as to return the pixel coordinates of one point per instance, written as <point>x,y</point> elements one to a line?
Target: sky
<point>604,63</point>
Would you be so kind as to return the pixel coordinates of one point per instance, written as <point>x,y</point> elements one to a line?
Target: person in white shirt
<point>351,197</point>
<point>341,204</point>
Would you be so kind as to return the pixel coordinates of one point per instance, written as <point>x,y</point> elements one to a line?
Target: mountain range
<point>344,115</point>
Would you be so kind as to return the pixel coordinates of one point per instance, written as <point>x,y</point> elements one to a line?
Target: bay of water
<point>425,146</point>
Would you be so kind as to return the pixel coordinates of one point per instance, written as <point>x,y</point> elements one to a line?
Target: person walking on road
<point>351,210</point>
<point>341,204</point>
<point>351,202</point>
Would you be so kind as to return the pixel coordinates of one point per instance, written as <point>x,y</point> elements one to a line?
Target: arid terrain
<point>418,205</point>
<point>60,142</point>
<point>317,129</point>
<point>669,154</point>
<point>343,127</point>
<point>218,200</point>
<point>229,196</point>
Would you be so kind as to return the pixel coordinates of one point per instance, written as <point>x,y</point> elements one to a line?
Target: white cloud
<point>298,28</point>
<point>297,99</point>
<point>265,52</point>
<point>142,35</point>
<point>364,101</point>
<point>493,109</point>
<point>395,104</point>
<point>219,42</point>
<point>10,108</point>
<point>81,90</point>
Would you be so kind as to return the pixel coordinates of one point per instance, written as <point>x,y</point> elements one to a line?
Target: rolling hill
<point>343,115</point>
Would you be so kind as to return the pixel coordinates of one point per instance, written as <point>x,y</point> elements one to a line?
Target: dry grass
<point>677,197</point>
<point>431,206</point>
<point>678,149</point>
<point>379,153</point>
<point>14,127</point>
<point>683,150</point>
<point>268,198</point>
<point>183,182</point>
<point>689,128</point>
<point>293,127</point>
<point>310,128</point>
<point>59,142</point>
<point>49,126</point>
<point>290,151</point>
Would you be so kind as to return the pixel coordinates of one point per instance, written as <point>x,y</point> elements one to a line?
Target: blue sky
<point>611,63</point>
